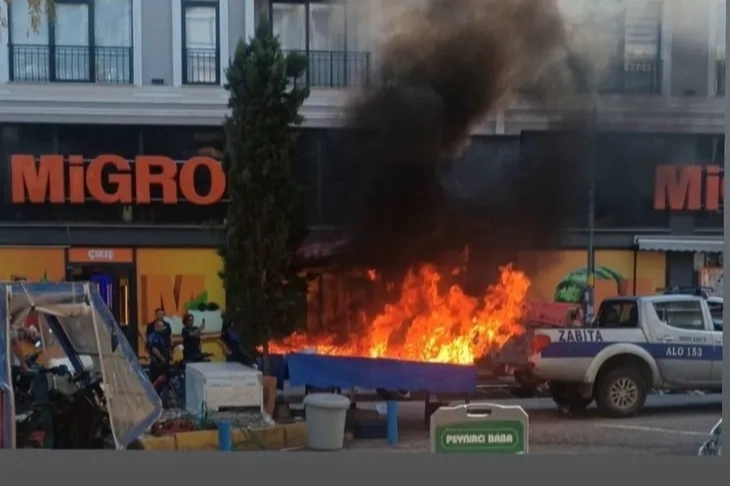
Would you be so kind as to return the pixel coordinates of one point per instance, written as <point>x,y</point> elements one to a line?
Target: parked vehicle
<point>663,342</point>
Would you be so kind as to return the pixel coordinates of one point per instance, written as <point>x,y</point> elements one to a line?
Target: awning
<point>695,244</point>
<point>322,244</point>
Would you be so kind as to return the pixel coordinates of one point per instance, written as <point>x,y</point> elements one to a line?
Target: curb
<point>278,437</point>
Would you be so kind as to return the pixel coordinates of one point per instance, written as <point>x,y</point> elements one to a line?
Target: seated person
<point>22,341</point>
<point>610,318</point>
<point>233,348</point>
<point>159,345</point>
<point>192,350</point>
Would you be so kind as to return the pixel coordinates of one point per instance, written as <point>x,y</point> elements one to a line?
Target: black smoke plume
<point>420,196</point>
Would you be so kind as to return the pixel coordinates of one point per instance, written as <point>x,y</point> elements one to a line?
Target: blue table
<point>323,372</point>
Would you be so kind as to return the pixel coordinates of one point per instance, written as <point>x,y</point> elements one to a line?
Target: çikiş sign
<point>688,188</point>
<point>111,179</point>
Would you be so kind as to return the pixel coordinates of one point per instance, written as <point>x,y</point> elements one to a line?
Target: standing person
<point>192,350</point>
<point>233,348</point>
<point>575,318</point>
<point>159,316</point>
<point>159,346</point>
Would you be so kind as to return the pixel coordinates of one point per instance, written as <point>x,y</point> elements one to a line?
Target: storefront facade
<point>81,204</point>
<point>138,211</point>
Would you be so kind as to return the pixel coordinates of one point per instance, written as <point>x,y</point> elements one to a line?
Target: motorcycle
<point>47,418</point>
<point>171,386</point>
<point>62,403</point>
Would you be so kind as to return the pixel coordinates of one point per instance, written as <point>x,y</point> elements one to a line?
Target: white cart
<point>219,386</point>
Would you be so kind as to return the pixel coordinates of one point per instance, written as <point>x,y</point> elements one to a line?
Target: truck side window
<point>681,315</point>
<point>618,315</point>
<point>716,311</point>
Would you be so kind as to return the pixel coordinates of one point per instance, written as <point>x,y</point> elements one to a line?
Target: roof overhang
<point>695,244</point>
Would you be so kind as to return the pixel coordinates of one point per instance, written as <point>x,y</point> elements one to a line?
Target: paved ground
<point>670,425</point>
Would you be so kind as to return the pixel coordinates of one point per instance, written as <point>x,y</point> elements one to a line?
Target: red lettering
<point>678,188</point>
<point>108,179</point>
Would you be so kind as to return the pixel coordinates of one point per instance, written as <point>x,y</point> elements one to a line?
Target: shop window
<point>624,187</point>
<point>20,139</point>
<point>93,140</point>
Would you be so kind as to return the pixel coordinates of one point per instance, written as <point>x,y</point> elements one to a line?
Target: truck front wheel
<point>621,392</point>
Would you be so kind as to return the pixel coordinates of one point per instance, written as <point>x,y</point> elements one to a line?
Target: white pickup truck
<point>636,344</point>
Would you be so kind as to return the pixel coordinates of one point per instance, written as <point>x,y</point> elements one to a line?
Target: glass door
<point>123,300</point>
<point>105,287</point>
<point>71,38</point>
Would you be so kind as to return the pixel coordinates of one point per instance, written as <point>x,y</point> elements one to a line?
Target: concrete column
<point>4,54</point>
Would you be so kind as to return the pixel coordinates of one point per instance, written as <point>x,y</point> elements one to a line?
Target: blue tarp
<point>343,372</point>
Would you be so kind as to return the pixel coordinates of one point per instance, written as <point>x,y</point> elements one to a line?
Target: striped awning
<point>695,244</point>
<point>322,244</point>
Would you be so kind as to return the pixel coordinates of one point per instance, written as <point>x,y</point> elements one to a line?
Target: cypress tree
<point>265,294</point>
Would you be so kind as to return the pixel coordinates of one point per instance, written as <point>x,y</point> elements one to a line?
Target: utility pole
<point>589,292</point>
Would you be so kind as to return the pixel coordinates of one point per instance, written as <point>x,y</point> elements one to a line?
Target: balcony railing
<point>201,66</point>
<point>337,69</point>
<point>97,64</point>
<point>720,78</point>
<point>635,76</point>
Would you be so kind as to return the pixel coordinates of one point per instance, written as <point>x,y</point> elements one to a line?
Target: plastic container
<point>482,428</point>
<point>326,414</point>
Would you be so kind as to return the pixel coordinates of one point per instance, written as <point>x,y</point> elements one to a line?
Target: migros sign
<point>688,188</point>
<point>111,179</point>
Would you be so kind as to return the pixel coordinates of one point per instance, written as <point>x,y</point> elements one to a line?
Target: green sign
<point>493,437</point>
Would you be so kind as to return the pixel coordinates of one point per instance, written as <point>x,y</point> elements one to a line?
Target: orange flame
<point>429,325</point>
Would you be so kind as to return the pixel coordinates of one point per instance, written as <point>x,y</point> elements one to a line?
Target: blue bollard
<point>392,418</point>
<point>225,440</point>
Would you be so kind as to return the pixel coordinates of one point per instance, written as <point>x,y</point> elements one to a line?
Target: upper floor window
<point>201,42</point>
<point>637,25</point>
<point>321,30</point>
<point>719,41</point>
<point>84,41</point>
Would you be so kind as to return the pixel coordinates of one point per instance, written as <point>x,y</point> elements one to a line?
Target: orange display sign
<point>172,293</point>
<point>32,264</point>
<point>688,188</point>
<point>100,255</point>
<point>111,179</point>
<point>181,281</point>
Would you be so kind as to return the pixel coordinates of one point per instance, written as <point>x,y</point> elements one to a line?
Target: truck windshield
<point>618,314</point>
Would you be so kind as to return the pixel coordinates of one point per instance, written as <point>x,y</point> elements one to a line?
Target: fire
<point>431,325</point>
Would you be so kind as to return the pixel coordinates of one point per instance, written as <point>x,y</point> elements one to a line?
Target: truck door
<point>716,311</point>
<point>682,341</point>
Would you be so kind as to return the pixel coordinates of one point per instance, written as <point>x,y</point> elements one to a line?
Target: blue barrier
<point>392,421</point>
<point>225,439</point>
